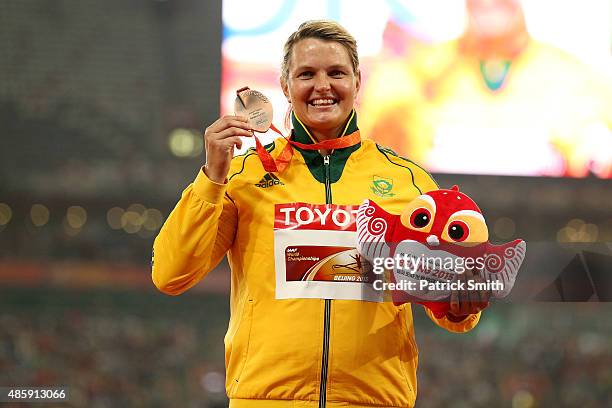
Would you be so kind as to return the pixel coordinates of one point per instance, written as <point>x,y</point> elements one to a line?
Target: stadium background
<point>98,103</point>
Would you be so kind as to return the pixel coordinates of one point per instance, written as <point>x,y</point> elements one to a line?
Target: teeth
<point>319,102</point>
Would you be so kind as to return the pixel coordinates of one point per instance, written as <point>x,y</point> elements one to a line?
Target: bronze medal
<point>256,107</point>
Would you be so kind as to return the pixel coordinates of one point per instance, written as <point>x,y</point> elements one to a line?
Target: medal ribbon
<point>282,161</point>
<point>279,164</point>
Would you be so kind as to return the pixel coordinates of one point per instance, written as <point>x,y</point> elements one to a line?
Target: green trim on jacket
<point>313,158</point>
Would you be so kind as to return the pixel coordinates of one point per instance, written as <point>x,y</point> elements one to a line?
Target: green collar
<point>495,73</point>
<point>313,158</point>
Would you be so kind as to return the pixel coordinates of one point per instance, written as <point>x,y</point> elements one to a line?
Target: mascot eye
<point>465,228</point>
<point>458,231</point>
<point>419,214</point>
<point>420,218</point>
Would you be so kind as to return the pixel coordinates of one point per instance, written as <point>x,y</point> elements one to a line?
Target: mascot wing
<point>501,264</point>
<point>373,228</point>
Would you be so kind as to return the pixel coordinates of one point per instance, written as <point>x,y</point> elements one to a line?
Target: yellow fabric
<point>273,348</point>
<point>256,403</point>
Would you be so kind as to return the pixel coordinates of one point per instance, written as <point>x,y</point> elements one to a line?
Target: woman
<point>300,351</point>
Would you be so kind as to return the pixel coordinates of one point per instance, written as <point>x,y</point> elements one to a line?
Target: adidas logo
<point>269,180</point>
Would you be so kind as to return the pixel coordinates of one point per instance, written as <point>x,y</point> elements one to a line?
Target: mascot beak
<point>433,240</point>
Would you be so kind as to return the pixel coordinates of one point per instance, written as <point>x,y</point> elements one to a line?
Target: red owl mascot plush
<point>436,237</point>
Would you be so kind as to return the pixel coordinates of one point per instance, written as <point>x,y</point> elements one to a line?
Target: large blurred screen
<point>504,87</point>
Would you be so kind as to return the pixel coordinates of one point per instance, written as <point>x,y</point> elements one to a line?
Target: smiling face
<point>321,86</point>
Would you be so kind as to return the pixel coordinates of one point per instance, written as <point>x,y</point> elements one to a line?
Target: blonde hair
<point>325,30</point>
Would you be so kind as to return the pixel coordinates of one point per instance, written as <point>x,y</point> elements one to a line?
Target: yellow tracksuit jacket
<point>297,352</point>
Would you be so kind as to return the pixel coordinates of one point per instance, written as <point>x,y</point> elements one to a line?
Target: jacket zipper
<point>327,314</point>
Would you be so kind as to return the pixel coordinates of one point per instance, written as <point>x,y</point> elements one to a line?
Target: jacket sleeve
<point>194,237</point>
<point>463,326</point>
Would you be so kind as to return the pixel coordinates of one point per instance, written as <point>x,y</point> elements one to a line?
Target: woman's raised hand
<point>219,141</point>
